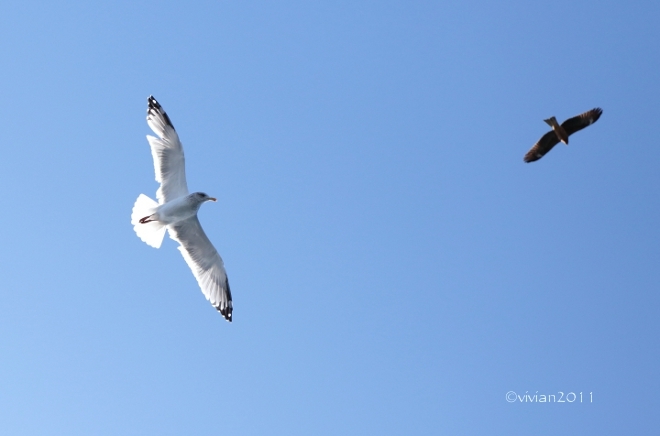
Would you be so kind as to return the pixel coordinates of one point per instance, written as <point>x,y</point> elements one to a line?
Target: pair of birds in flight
<point>176,209</point>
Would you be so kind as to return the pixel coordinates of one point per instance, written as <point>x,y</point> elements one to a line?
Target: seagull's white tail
<point>151,232</point>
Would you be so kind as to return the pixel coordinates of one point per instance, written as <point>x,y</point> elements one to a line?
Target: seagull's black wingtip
<point>226,312</point>
<point>155,109</point>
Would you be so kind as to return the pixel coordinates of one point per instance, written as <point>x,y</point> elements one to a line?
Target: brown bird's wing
<point>581,121</point>
<point>544,145</point>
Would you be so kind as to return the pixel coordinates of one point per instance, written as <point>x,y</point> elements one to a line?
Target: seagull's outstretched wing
<point>205,263</point>
<point>167,151</point>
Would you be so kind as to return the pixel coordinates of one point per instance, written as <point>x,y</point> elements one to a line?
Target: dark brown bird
<point>561,133</point>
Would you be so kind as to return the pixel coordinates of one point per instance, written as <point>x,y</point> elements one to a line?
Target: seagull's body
<point>176,211</point>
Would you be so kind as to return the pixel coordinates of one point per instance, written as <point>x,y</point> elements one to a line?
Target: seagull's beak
<point>213,199</point>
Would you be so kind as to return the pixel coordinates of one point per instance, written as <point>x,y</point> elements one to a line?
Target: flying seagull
<point>561,133</point>
<point>176,211</point>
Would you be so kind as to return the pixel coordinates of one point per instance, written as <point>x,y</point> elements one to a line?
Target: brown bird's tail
<point>552,122</point>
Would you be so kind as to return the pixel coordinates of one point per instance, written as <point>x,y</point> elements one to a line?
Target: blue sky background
<point>396,268</point>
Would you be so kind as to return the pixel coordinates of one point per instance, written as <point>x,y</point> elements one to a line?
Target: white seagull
<point>176,211</point>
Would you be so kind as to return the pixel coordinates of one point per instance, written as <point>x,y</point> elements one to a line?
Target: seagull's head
<point>202,197</point>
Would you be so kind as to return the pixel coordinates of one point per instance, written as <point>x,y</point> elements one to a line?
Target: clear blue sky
<point>396,268</point>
